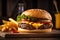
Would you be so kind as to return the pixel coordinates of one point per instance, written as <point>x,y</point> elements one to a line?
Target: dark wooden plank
<point>53,34</point>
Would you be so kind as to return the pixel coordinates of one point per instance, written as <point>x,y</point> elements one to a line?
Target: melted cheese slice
<point>36,25</point>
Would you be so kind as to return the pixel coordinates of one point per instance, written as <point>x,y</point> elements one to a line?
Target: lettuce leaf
<point>19,17</point>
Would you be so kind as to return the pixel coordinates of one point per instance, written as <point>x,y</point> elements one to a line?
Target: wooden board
<point>54,33</point>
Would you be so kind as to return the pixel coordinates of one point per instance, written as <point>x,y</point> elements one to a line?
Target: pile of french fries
<point>9,25</point>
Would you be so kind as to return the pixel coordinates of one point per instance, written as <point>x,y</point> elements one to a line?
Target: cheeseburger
<point>34,20</point>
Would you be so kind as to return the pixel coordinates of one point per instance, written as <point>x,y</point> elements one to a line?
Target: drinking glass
<point>57,18</point>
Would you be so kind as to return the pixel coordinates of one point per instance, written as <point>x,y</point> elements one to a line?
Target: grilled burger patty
<point>31,27</point>
<point>26,26</point>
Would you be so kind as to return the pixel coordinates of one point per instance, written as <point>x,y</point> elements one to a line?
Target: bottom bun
<point>34,31</point>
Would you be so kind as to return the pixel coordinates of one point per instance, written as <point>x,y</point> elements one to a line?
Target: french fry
<point>4,21</point>
<point>0,27</point>
<point>3,29</point>
<point>10,19</point>
<point>9,25</point>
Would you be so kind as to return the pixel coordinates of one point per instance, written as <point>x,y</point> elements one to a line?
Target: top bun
<point>38,13</point>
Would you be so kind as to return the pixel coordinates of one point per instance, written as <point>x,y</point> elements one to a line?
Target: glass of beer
<point>57,18</point>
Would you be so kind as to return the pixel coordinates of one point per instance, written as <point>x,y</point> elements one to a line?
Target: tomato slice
<point>45,22</point>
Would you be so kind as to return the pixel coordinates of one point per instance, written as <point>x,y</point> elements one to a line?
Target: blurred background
<point>11,8</point>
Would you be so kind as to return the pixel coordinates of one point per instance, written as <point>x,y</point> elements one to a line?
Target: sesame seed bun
<point>38,13</point>
<point>34,31</point>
